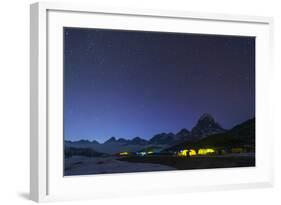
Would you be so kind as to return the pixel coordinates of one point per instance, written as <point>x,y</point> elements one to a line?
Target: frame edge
<point>38,104</point>
<point>34,179</point>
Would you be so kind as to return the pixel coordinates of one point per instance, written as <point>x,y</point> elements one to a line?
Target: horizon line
<point>118,138</point>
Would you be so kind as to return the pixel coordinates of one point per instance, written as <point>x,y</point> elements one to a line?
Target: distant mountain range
<point>205,126</point>
<point>242,135</point>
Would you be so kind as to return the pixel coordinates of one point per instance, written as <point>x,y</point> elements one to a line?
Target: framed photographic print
<point>129,101</point>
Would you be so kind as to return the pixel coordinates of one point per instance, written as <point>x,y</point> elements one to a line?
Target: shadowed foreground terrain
<point>80,165</point>
<point>200,162</point>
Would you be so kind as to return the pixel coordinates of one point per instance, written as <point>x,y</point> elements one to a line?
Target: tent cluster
<point>210,151</point>
<point>123,153</point>
<point>187,152</point>
<point>142,153</point>
<point>192,152</point>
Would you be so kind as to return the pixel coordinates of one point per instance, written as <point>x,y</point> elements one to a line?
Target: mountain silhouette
<point>206,125</point>
<point>206,130</point>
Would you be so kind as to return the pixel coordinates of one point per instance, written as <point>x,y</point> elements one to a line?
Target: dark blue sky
<point>134,83</point>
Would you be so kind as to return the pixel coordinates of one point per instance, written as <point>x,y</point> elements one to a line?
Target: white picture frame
<point>46,179</point>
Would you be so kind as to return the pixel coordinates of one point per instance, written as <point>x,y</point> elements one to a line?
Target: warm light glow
<point>183,153</point>
<point>205,151</point>
<point>123,153</point>
<point>192,152</point>
<point>150,152</point>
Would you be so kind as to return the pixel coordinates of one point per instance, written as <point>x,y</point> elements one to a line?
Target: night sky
<point>135,83</point>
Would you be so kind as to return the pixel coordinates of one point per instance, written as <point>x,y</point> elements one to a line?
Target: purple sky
<point>133,83</point>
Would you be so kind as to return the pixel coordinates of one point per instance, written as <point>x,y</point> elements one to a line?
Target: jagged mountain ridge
<point>205,126</point>
<point>241,135</point>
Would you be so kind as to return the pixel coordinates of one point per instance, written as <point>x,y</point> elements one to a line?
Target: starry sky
<point>138,83</point>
